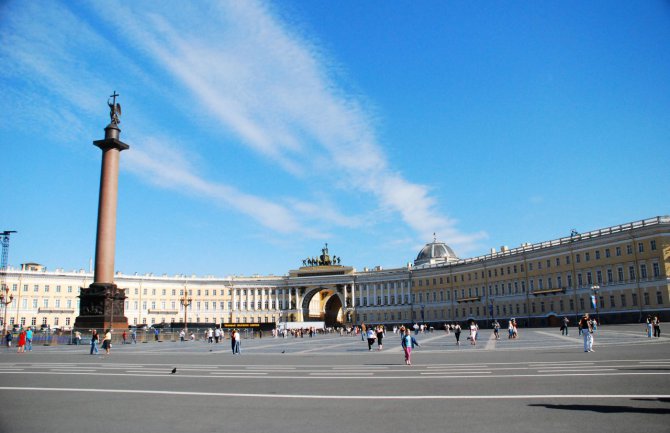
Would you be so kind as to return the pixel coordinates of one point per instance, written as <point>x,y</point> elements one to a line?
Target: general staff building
<point>620,273</point>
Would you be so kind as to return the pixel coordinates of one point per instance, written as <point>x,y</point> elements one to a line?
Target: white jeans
<point>588,340</point>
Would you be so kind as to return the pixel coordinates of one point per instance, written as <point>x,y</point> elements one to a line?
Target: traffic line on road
<point>336,397</point>
<point>560,337</point>
<point>570,370</point>
<point>491,343</point>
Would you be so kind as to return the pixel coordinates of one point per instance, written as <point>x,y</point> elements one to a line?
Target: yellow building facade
<point>623,268</point>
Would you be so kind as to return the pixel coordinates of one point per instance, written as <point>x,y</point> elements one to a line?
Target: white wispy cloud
<point>253,76</point>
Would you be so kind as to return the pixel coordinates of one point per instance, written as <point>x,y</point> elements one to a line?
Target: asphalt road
<point>540,382</point>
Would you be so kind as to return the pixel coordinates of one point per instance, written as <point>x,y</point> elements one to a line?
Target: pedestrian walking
<point>236,341</point>
<point>107,341</point>
<point>8,338</point>
<point>21,344</point>
<point>657,327</point>
<point>564,326</point>
<point>124,336</point>
<point>95,338</point>
<point>457,334</point>
<point>380,336</point>
<point>496,329</point>
<point>473,332</point>
<point>406,344</point>
<point>587,331</point>
<point>650,326</point>
<point>29,339</point>
<point>371,338</point>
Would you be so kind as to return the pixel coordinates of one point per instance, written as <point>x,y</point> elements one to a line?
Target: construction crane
<point>5,251</point>
<point>4,290</point>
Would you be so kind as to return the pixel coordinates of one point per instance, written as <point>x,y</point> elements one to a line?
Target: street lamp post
<point>185,301</point>
<point>595,288</point>
<point>5,300</point>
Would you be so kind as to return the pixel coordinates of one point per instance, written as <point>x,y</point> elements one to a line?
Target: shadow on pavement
<point>605,409</point>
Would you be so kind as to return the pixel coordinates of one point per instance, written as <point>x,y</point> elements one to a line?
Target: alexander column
<point>102,303</point>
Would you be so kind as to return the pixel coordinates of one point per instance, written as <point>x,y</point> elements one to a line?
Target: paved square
<point>540,382</point>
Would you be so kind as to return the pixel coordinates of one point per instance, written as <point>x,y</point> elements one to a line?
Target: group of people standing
<point>653,327</point>
<point>374,333</point>
<point>24,342</point>
<point>106,341</point>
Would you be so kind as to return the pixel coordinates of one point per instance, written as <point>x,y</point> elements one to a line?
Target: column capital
<point>111,143</point>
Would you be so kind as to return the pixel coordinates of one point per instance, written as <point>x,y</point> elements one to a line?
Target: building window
<point>612,301</point>
<point>629,249</point>
<point>607,253</point>
<point>623,300</point>
<point>620,274</point>
<point>643,271</point>
<point>656,270</point>
<point>587,256</point>
<point>646,298</point>
<point>609,276</point>
<point>597,254</point>
<point>659,298</point>
<point>653,245</point>
<point>599,277</point>
<point>634,299</point>
<point>631,272</point>
<point>618,251</point>
<point>640,247</point>
<point>581,304</point>
<point>578,258</point>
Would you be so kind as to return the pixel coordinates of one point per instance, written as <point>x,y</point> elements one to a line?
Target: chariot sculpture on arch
<point>323,260</point>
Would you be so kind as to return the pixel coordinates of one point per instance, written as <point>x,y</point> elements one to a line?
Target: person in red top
<point>22,341</point>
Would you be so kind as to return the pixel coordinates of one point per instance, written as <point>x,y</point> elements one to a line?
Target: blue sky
<point>259,131</point>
